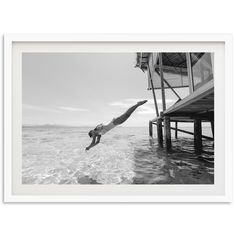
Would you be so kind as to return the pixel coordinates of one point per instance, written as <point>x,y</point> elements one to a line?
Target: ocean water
<point>56,155</point>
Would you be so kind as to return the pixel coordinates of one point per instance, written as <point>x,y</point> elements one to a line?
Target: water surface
<point>56,155</point>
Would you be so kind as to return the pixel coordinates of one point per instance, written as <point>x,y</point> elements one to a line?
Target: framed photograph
<point>118,118</point>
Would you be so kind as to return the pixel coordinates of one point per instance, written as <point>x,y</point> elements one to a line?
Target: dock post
<point>190,72</point>
<point>162,83</point>
<point>176,129</point>
<point>198,135</point>
<point>150,129</point>
<point>167,132</point>
<point>159,132</point>
<point>212,128</point>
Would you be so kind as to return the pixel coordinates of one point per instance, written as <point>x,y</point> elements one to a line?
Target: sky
<point>85,89</point>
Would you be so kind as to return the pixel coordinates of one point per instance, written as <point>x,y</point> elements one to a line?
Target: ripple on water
<point>124,156</point>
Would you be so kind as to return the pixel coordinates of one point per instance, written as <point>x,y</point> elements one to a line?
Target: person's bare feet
<point>142,102</point>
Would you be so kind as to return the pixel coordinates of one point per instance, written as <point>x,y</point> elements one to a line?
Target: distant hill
<point>49,126</point>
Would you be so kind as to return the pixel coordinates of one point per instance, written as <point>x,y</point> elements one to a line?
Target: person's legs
<point>121,119</point>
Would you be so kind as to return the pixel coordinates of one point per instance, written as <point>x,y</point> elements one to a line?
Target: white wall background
<point>123,16</point>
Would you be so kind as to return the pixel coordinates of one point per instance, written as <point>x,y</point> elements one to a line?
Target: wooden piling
<point>198,136</point>
<point>162,83</point>
<point>167,133</point>
<point>176,129</point>
<point>191,133</point>
<point>150,129</point>
<point>153,92</point>
<point>190,72</point>
<point>159,132</point>
<point>212,128</point>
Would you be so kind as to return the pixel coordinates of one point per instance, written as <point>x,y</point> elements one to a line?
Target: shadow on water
<point>86,180</point>
<point>153,165</point>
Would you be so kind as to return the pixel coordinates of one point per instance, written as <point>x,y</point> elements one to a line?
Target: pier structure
<point>175,71</point>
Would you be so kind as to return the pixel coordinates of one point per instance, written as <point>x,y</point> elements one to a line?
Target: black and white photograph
<point>118,118</point>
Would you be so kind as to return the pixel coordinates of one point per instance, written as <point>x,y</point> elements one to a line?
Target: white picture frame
<point>10,89</point>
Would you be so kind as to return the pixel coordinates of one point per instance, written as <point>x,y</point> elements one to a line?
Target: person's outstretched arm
<point>98,139</point>
<point>94,142</point>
